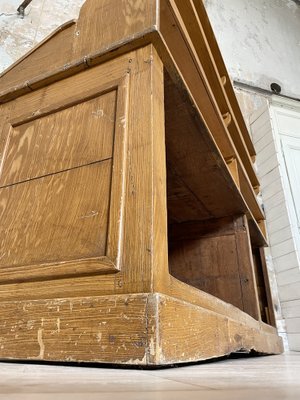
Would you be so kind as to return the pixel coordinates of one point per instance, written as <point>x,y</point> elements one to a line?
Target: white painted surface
<point>260,41</point>
<point>276,137</point>
<point>291,153</point>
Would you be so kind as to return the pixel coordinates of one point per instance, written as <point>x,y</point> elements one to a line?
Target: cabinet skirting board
<point>134,329</point>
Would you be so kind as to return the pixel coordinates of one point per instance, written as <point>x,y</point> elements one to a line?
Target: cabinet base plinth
<point>134,329</point>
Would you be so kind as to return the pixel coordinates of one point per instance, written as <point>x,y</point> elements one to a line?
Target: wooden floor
<point>268,378</point>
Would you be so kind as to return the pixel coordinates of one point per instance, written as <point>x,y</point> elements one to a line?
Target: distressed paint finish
<point>114,329</point>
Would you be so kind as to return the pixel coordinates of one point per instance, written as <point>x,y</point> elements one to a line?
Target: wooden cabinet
<point>130,230</point>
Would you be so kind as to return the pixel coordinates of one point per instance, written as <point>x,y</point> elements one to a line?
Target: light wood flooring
<point>266,378</point>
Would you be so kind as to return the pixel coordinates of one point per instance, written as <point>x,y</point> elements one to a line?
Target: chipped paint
<point>89,215</point>
<point>152,347</point>
<point>99,337</point>
<point>98,113</point>
<point>41,343</point>
<point>137,361</point>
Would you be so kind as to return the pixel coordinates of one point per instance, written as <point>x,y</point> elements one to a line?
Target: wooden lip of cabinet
<point>130,228</point>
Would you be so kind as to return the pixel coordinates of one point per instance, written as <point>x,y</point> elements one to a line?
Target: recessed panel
<point>56,218</point>
<point>75,136</point>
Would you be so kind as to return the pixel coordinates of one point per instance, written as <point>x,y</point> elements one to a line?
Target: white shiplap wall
<point>279,214</point>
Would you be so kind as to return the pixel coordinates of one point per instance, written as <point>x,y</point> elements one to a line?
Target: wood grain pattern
<point>193,160</point>
<point>211,39</point>
<point>246,268</point>
<point>32,329</point>
<point>194,333</point>
<point>215,257</point>
<point>78,135</point>
<point>57,218</point>
<point>95,146</point>
<point>199,45</point>
<point>111,21</point>
<point>47,54</point>
<point>209,264</point>
<point>141,17</point>
<point>113,329</point>
<point>183,205</point>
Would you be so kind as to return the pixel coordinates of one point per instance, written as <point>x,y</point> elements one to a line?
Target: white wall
<point>259,40</point>
<point>282,224</point>
<point>18,35</point>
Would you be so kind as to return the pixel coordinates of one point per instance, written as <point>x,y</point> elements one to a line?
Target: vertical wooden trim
<point>138,235</point>
<point>6,134</point>
<point>117,201</point>
<point>160,245</point>
<point>246,269</point>
<point>270,308</point>
<point>232,165</point>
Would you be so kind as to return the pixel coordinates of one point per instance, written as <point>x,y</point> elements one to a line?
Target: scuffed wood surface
<point>141,329</point>
<point>103,329</point>
<point>189,333</point>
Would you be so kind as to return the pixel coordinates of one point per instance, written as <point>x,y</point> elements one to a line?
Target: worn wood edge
<point>222,74</point>
<point>97,91</point>
<point>189,294</point>
<point>258,237</point>
<point>144,329</point>
<point>103,55</point>
<point>202,14</point>
<point>60,269</point>
<point>118,182</point>
<point>230,121</point>
<point>58,30</point>
<point>188,333</point>
<point>104,329</point>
